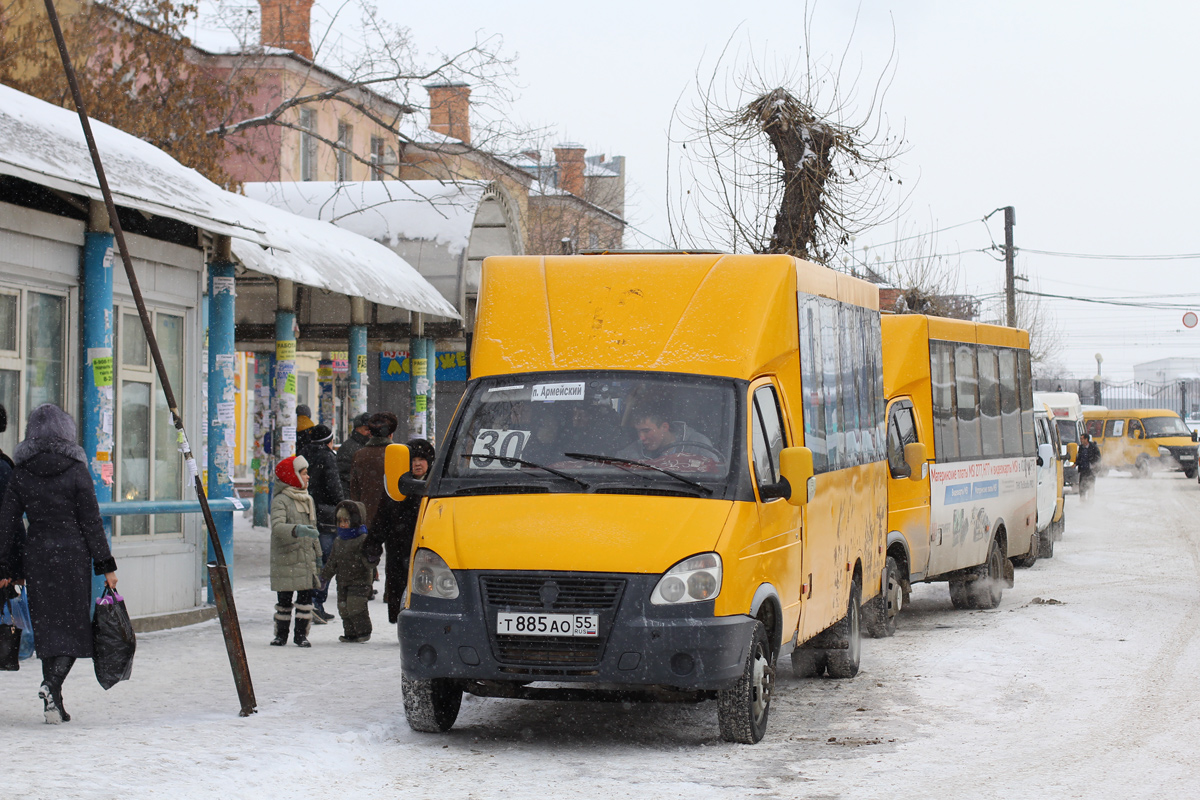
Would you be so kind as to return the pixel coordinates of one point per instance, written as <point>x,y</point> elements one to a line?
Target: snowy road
<point>1094,695</point>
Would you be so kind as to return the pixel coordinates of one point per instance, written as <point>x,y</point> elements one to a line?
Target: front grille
<point>551,593</point>
<point>549,651</point>
<point>573,593</point>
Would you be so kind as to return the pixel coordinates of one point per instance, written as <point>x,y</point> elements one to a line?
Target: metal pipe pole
<point>1010,286</point>
<point>217,571</point>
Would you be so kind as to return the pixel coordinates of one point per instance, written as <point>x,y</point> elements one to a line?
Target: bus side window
<point>767,440</point>
<point>1095,428</point>
<point>1114,428</point>
<point>1135,429</point>
<point>902,431</point>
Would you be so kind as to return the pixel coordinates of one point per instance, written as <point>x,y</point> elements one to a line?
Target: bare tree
<point>928,282</point>
<point>782,161</point>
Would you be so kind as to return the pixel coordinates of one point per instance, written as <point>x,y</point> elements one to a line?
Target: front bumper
<point>1181,459</point>
<point>639,644</point>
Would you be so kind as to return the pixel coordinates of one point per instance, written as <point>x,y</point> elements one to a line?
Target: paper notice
<point>225,413</point>
<point>106,473</point>
<point>288,433</point>
<point>285,350</point>
<point>225,360</point>
<point>289,384</point>
<point>230,437</point>
<point>221,285</point>
<point>102,371</point>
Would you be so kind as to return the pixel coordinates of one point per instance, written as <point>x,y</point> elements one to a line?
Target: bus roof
<point>709,314</point>
<point>906,345</point>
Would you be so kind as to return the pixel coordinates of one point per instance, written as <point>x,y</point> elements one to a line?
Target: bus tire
<point>431,706</point>
<point>743,709</point>
<point>808,662</point>
<point>842,661</point>
<point>960,594</point>
<point>1035,551</point>
<point>1189,473</point>
<point>880,615</point>
<point>988,587</point>
<point>1141,469</point>
<point>1046,543</point>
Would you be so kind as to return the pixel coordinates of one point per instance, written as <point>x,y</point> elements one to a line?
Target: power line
<point>927,233</point>
<point>1109,257</point>
<point>1100,301</point>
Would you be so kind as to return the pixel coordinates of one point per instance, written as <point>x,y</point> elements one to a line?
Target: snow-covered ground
<point>1094,695</point>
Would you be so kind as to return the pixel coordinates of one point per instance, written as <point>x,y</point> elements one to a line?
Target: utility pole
<point>1010,287</point>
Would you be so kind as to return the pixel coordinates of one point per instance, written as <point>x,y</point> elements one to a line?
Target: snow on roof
<point>386,211</point>
<point>593,170</point>
<point>44,144</point>
<point>338,259</point>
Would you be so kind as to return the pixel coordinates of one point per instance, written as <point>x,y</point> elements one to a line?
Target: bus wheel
<point>1189,473</point>
<point>1046,543</point>
<point>1142,468</point>
<point>431,706</point>
<point>988,587</point>
<point>742,710</point>
<point>808,662</point>
<point>960,594</point>
<point>842,661</point>
<point>881,613</point>
<point>1035,550</point>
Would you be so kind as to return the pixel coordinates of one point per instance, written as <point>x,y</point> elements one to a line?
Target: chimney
<point>285,24</point>
<point>569,157</point>
<point>450,110</point>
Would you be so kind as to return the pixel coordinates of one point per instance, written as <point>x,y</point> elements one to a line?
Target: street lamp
<point>1096,380</point>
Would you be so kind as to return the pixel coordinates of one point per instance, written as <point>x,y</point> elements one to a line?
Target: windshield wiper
<point>642,464</point>
<point>524,463</point>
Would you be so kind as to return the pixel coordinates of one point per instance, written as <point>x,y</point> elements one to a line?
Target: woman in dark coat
<point>325,486</point>
<point>396,523</point>
<point>63,547</point>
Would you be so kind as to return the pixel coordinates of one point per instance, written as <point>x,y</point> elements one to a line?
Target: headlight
<point>431,576</point>
<point>690,581</point>
<point>1162,451</point>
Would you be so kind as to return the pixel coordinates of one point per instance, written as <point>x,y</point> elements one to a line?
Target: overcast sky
<point>1080,115</point>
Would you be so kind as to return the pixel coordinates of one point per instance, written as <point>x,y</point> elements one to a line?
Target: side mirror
<point>796,467</point>
<point>1072,452</point>
<point>396,462</point>
<point>915,456</point>
<point>1195,438</point>
<point>1045,454</point>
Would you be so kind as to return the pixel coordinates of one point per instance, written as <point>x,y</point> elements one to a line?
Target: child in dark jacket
<point>353,570</point>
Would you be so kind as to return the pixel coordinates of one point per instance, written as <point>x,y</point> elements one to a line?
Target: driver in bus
<point>659,436</point>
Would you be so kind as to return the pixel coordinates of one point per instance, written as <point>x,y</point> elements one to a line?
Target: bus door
<point>908,500</point>
<point>778,520</point>
<point>1047,473</point>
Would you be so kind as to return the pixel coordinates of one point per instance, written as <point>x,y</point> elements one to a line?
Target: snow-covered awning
<point>44,144</point>
<point>340,260</point>
<point>386,211</point>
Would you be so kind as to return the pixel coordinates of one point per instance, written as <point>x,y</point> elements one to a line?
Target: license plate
<point>1187,458</point>
<point>548,624</point>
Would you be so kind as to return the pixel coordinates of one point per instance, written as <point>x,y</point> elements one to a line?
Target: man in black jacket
<point>351,445</point>
<point>1086,461</point>
<point>325,486</point>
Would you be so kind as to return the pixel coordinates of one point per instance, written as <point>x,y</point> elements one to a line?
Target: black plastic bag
<point>10,644</point>
<point>113,641</point>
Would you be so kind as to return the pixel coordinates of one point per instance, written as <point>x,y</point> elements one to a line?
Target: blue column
<point>421,365</point>
<point>264,368</point>
<point>431,402</point>
<point>325,396</point>
<point>284,398</point>
<point>96,302</point>
<point>221,399</point>
<point>358,371</point>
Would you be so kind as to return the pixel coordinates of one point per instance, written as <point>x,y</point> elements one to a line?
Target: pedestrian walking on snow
<point>353,569</point>
<point>366,477</point>
<point>1086,461</point>
<point>63,547</point>
<point>295,551</point>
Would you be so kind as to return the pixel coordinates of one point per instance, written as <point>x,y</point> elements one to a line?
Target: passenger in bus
<point>1087,460</point>
<point>659,436</point>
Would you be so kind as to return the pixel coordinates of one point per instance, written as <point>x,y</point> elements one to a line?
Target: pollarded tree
<point>787,163</point>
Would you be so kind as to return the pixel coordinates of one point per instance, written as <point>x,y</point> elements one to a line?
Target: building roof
<point>44,144</point>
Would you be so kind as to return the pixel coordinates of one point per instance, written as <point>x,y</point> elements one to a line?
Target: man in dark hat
<point>325,487</point>
<point>359,435</point>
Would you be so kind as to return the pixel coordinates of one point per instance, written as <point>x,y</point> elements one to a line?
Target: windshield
<point>593,432</point>
<point>1068,431</point>
<point>1166,426</point>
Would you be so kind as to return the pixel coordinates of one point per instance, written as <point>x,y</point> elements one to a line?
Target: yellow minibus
<point>667,472</point>
<point>963,390</point>
<point>1142,441</point>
